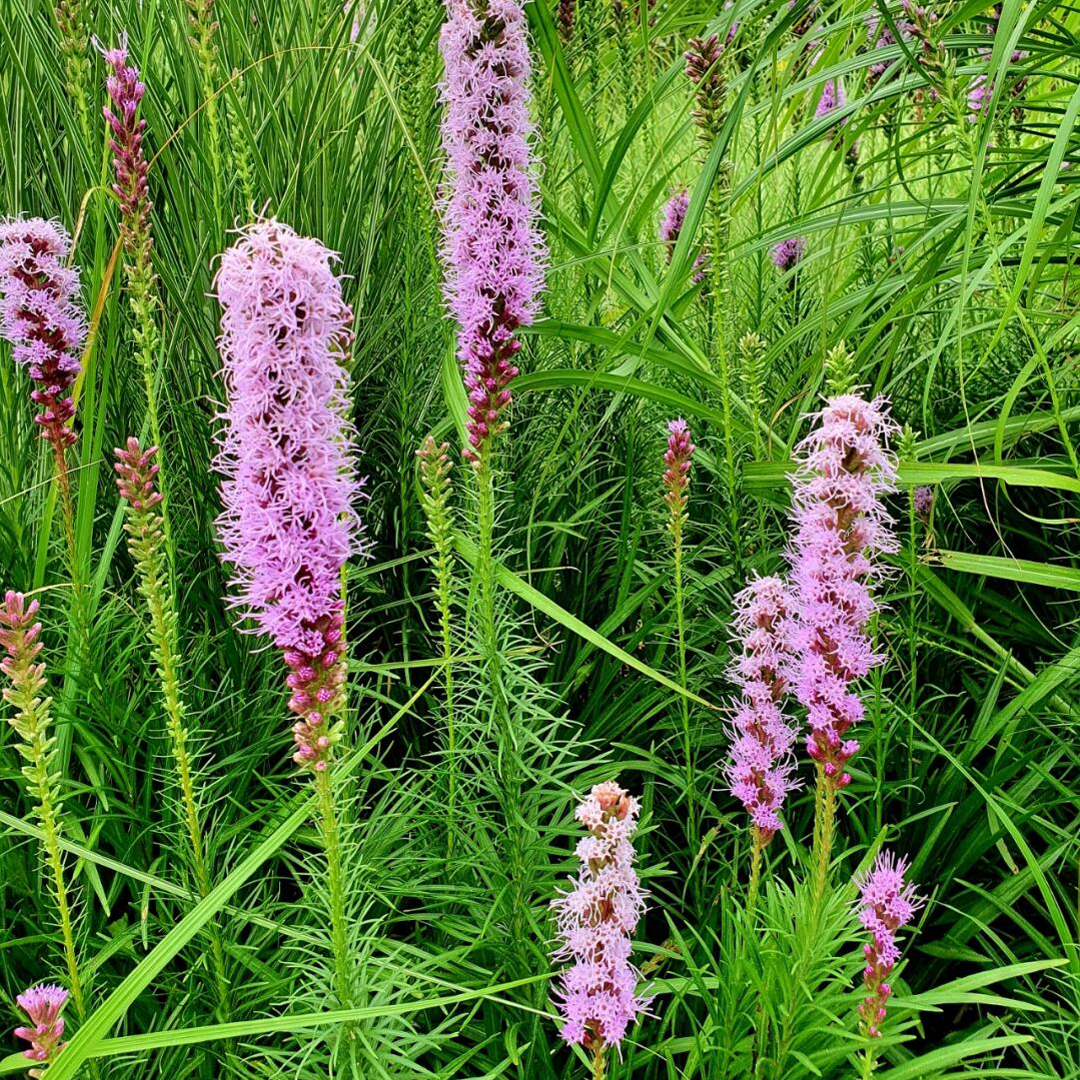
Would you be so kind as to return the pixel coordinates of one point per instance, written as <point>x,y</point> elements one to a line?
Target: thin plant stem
<point>680,624</point>
<point>755,872</point>
<point>824,831</point>
<point>598,1063</point>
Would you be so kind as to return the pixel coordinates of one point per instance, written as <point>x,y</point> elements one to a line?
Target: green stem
<point>335,883</point>
<point>755,873</point>
<point>598,1063</point>
<point>824,831</point>
<point>868,1063</point>
<point>680,624</point>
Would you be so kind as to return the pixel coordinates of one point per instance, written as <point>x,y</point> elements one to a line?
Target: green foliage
<point>940,270</point>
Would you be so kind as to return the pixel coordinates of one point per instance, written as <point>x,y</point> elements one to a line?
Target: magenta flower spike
<point>671,225</point>
<point>841,526</point>
<point>832,98</point>
<point>788,253</point>
<point>923,501</point>
<point>676,477</point>
<point>492,248</point>
<point>289,480</point>
<point>42,318</point>
<point>887,904</point>
<point>762,735</point>
<point>42,1005</point>
<point>597,995</point>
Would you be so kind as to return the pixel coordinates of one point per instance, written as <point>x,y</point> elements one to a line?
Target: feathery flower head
<point>760,766</point>
<point>40,315</point>
<point>595,923</point>
<point>879,35</point>
<point>288,524</point>
<point>492,247</point>
<point>42,1005</point>
<point>979,94</point>
<point>704,70</point>
<point>841,525</point>
<point>832,98</point>
<point>676,478</point>
<point>126,91</point>
<point>788,253</point>
<point>887,903</point>
<point>671,225</point>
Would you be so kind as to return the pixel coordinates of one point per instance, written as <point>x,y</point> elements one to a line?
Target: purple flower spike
<point>596,922</point>
<point>923,500</point>
<point>671,225</point>
<point>887,903</point>
<point>41,316</point>
<point>788,253</point>
<point>492,247</point>
<point>42,1005</point>
<point>832,98</point>
<point>841,525</point>
<point>762,736</point>
<point>288,524</point>
<point>676,478</point>
<point>126,91</point>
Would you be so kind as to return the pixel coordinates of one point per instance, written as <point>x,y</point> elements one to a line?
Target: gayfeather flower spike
<point>887,904</point>
<point>788,253</point>
<point>42,317</point>
<point>762,736</point>
<point>703,68</point>
<point>492,247</point>
<point>288,524</point>
<point>671,226</point>
<point>289,483</point>
<point>841,527</point>
<point>42,1005</point>
<point>677,457</point>
<point>26,693</point>
<point>597,995</point>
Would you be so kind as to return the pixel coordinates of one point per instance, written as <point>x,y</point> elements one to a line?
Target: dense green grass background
<point>945,261</point>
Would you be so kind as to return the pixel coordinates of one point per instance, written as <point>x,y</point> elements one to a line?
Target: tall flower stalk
<point>705,70</point>
<point>288,486</point>
<point>762,736</point>
<point>676,483</point>
<point>597,995</point>
<point>203,30</point>
<point>841,526</point>
<point>435,498</point>
<point>74,42</point>
<point>493,256</point>
<point>137,483</point>
<point>130,166</point>
<point>20,638</point>
<point>887,903</point>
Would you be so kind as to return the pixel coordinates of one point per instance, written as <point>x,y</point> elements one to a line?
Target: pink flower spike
<point>597,994</point>
<point>492,248</point>
<point>42,1005</point>
<point>887,903</point>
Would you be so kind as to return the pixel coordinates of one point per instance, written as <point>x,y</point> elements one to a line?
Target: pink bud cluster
<point>762,736</point>
<point>887,903</point>
<point>671,226</point>
<point>704,70</point>
<point>19,638</point>
<point>840,526</point>
<point>41,317</point>
<point>597,996</point>
<point>676,477</point>
<point>136,475</point>
<point>126,91</point>
<point>42,1005</point>
<point>492,247</point>
<point>288,524</point>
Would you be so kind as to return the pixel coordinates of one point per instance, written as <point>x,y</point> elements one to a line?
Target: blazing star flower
<point>492,247</point>
<point>923,499</point>
<point>42,1005</point>
<point>671,225</point>
<point>288,524</point>
<point>596,921</point>
<point>760,766</point>
<point>887,903</point>
<point>832,98</point>
<point>704,70</point>
<point>788,253</point>
<point>880,36</point>
<point>42,318</point>
<point>676,478</point>
<point>841,525</point>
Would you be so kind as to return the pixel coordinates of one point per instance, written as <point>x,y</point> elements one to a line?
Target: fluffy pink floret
<point>288,524</point>
<point>841,527</point>
<point>42,1005</point>
<point>492,247</point>
<point>760,764</point>
<point>597,994</point>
